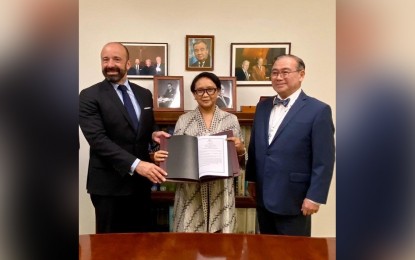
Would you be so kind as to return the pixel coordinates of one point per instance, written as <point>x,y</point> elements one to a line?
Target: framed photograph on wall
<point>251,63</point>
<point>227,96</point>
<point>168,93</point>
<point>147,60</point>
<point>200,51</point>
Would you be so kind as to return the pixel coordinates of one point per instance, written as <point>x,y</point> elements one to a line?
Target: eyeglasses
<point>283,74</point>
<point>209,91</point>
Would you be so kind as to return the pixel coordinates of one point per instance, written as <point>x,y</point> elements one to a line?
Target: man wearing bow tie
<point>291,153</point>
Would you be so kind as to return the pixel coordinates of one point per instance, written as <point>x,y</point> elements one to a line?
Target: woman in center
<point>206,206</point>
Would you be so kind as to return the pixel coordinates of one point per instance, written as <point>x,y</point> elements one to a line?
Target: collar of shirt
<point>129,92</point>
<point>278,114</point>
<point>126,83</point>
<point>293,97</point>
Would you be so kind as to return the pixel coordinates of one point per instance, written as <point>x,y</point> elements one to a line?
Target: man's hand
<point>151,171</point>
<point>157,134</point>
<point>309,207</point>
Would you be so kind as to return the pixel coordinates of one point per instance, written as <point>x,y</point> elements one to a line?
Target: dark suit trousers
<point>122,214</point>
<point>270,223</point>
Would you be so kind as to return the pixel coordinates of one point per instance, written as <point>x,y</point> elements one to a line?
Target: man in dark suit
<point>116,117</point>
<point>259,71</point>
<point>243,72</point>
<point>136,69</point>
<point>201,53</point>
<point>223,101</point>
<point>159,67</point>
<point>148,69</point>
<point>291,153</point>
<point>167,98</point>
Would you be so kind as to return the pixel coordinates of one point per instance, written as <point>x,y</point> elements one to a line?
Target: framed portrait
<point>227,96</point>
<point>251,63</point>
<point>200,51</point>
<point>147,60</point>
<point>168,93</point>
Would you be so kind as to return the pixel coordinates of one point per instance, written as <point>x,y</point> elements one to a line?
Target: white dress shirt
<point>278,114</point>
<point>137,111</point>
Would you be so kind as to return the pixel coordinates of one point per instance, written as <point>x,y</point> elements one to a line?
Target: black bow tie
<point>278,101</point>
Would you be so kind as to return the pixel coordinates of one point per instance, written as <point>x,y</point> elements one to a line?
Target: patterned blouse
<point>208,206</point>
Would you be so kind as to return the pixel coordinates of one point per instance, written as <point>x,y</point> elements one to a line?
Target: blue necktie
<point>278,101</point>
<point>129,106</point>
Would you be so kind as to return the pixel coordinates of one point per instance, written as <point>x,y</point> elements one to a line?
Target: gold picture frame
<point>260,57</point>
<point>200,51</point>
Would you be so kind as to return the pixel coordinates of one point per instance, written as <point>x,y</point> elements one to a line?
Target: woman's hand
<point>158,134</point>
<point>160,156</point>
<point>239,145</point>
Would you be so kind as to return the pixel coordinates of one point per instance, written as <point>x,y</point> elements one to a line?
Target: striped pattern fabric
<point>208,206</point>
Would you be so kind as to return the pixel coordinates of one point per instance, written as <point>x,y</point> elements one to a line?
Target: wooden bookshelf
<point>167,197</point>
<point>245,202</point>
<point>170,117</point>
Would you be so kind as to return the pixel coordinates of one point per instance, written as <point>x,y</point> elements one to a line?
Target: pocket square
<point>147,108</point>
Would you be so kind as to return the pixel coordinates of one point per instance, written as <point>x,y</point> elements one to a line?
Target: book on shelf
<point>241,220</point>
<point>247,135</point>
<point>250,221</point>
<point>199,158</point>
<point>246,220</point>
<point>165,186</point>
<point>241,184</point>
<point>235,185</point>
<point>171,223</point>
<point>160,221</point>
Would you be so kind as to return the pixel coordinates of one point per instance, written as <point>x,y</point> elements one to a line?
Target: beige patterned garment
<point>208,206</point>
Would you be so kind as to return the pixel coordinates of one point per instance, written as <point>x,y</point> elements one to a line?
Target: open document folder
<point>200,158</point>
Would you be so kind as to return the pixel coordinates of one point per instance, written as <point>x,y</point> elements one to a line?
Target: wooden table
<point>203,246</point>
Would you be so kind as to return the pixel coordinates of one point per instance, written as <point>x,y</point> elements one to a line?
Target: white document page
<point>213,155</point>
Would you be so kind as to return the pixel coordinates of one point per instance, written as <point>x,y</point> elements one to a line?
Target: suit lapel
<point>140,104</point>
<point>268,108</point>
<point>297,106</point>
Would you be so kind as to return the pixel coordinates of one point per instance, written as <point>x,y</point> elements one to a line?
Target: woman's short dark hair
<point>208,75</point>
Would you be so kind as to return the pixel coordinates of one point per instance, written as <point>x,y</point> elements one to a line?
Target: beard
<point>116,77</point>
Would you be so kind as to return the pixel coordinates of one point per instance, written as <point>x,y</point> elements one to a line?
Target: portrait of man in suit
<point>116,118</point>
<point>251,63</point>
<point>136,69</point>
<point>258,71</point>
<point>290,162</point>
<point>149,60</point>
<point>168,96</point>
<point>159,67</point>
<point>242,73</point>
<point>199,53</point>
<point>148,68</point>
<point>224,101</point>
